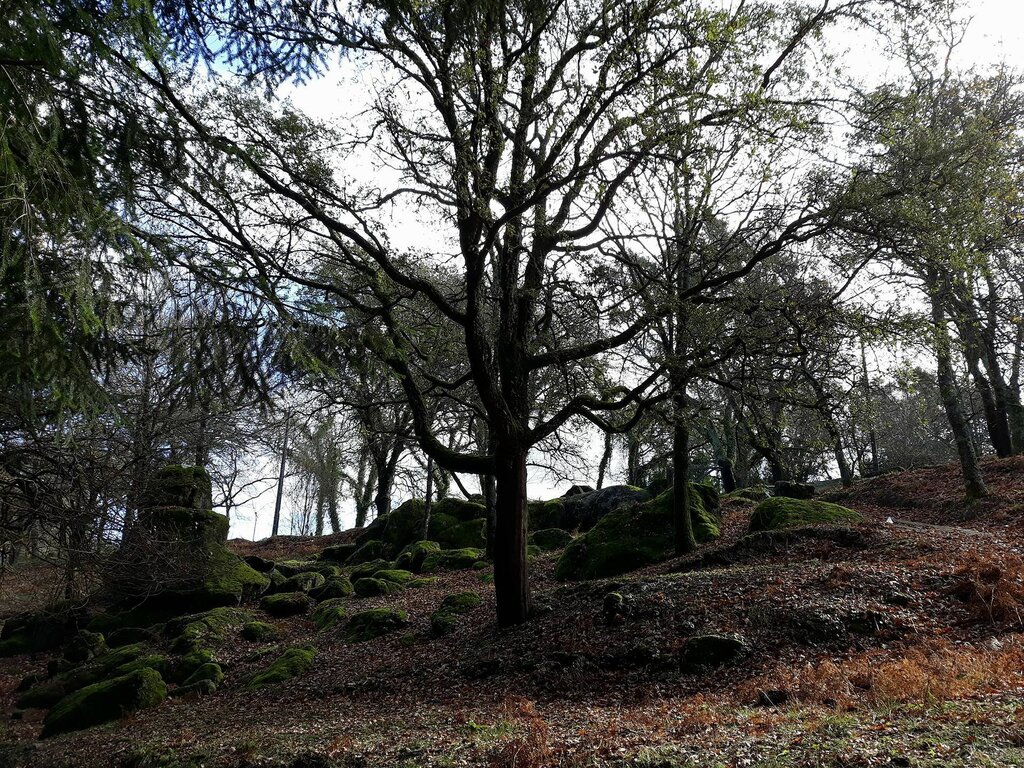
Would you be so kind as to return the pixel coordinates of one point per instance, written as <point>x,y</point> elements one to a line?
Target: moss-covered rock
<point>339,553</point>
<point>371,587</point>
<point>395,576</point>
<point>754,493</point>
<point>453,523</point>
<point>292,568</point>
<point>550,539</point>
<point>105,701</point>
<point>286,604</point>
<point>544,514</point>
<point>371,550</point>
<point>445,618</point>
<point>452,560</point>
<point>411,558</point>
<point>257,563</point>
<point>423,581</point>
<point>196,689</point>
<point>260,632</point>
<point>84,646</point>
<point>42,631</point>
<point>783,512</point>
<point>374,623</point>
<point>632,537</point>
<point>291,663</point>
<point>338,586</point>
<point>174,485</point>
<point>305,581</point>
<point>179,669</point>
<point>210,671</point>
<point>329,613</point>
<point>366,570</point>
<point>198,629</point>
<point>122,636</point>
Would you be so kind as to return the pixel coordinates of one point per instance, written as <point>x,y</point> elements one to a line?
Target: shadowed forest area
<point>509,383</point>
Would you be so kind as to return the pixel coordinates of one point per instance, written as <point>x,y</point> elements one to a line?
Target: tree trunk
<point>511,583</point>
<point>320,510</point>
<point>428,496</point>
<point>728,479</point>
<point>606,458</point>
<point>973,482</point>
<point>633,461</point>
<point>995,416</point>
<point>280,480</point>
<point>686,542</point>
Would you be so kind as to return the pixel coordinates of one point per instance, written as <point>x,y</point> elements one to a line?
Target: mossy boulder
<point>338,586</point>
<point>85,646</point>
<point>305,581</point>
<point>395,576</point>
<point>632,537</point>
<point>210,671</point>
<point>260,632</point>
<point>105,701</point>
<point>367,625</point>
<point>550,539</point>
<point>454,523</point>
<point>445,618</point>
<point>372,587</point>
<point>196,630</point>
<point>755,494</point>
<point>180,668</point>
<point>423,581</point>
<point>291,663</point>
<point>257,563</point>
<point>196,689</point>
<point>411,558</point>
<point>368,552</point>
<point>174,485</point>
<point>366,570</point>
<point>286,604</point>
<point>296,567</point>
<point>452,560</point>
<point>783,512</point>
<point>42,631</point>
<point>329,613</point>
<point>339,553</point>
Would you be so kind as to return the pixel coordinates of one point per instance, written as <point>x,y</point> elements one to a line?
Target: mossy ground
<point>783,512</point>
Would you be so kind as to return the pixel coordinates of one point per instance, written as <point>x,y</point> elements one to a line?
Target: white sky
<point>995,36</point>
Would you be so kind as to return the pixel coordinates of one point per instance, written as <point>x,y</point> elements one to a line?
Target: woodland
<point>630,383</point>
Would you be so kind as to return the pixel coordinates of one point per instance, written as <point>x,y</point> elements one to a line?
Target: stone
<point>793,490</point>
<point>105,701</point>
<point>550,539</point>
<point>411,558</point>
<point>292,663</point>
<point>582,511</point>
<point>286,604</point>
<point>368,625</point>
<point>704,652</point>
<point>453,560</point>
<point>782,512</point>
<point>260,632</point>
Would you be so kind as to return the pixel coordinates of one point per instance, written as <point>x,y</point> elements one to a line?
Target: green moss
<point>374,623</point>
<point>371,550</point>
<point>460,509</point>
<point>198,688</point>
<point>631,537</point>
<point>260,632</point>
<point>177,486</point>
<point>306,581</point>
<point>286,604</point>
<point>292,567</point>
<point>470,533</point>
<point>371,587</point>
<point>755,494</point>
<point>452,560</point>
<point>105,701</point>
<point>339,553</point>
<point>178,670</point>
<point>551,539</point>
<point>784,512</point>
<point>453,523</point>
<point>292,663</point>
<point>338,586</point>
<point>395,576</point>
<point>197,629</point>
<point>329,613</point>
<point>411,558</point>
<point>210,671</point>
<point>544,514</point>
<point>366,570</point>
<point>444,619</point>
<point>228,581</point>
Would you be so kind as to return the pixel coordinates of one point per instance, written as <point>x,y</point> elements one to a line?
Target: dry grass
<point>993,590</point>
<point>935,671</point>
<point>529,747</point>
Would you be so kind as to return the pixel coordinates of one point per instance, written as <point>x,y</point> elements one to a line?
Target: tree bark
<point>428,496</point>
<point>686,542</point>
<point>606,457</point>
<point>280,480</point>
<point>511,583</point>
<point>974,485</point>
<point>728,479</point>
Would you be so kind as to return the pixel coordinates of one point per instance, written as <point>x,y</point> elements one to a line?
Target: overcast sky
<point>995,36</point>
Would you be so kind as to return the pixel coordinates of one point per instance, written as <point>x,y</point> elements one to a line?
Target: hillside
<point>872,644</point>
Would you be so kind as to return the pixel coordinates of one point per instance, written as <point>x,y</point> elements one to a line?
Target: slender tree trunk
<point>280,480</point>
<point>728,479</point>
<point>633,461</point>
<point>686,542</point>
<point>606,458</point>
<point>428,496</point>
<point>320,510</point>
<point>995,416</point>
<point>511,583</point>
<point>973,482</point>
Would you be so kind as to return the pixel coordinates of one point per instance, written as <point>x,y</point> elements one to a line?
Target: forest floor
<point>934,676</point>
